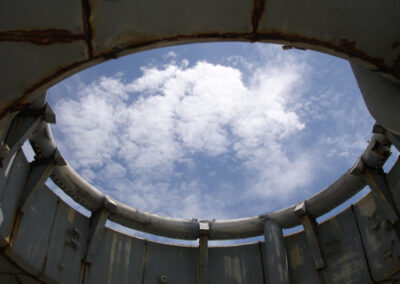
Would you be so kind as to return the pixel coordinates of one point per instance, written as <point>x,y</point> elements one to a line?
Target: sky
<point>212,131</point>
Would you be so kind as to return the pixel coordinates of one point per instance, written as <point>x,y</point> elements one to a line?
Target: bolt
<point>163,279</point>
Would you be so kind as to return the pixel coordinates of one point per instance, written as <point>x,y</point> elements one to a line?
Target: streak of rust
<point>345,46</point>
<point>41,37</point>
<point>256,15</point>
<point>87,26</point>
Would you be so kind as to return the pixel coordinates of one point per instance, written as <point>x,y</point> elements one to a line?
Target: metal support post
<point>22,127</point>
<point>39,172</point>
<point>203,253</point>
<point>376,179</point>
<point>97,224</point>
<point>275,250</point>
<point>311,233</point>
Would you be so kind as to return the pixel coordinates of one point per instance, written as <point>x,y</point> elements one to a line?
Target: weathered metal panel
<point>238,264</point>
<point>342,250</point>
<point>32,231</point>
<point>43,15</point>
<point>379,239</point>
<point>11,193</point>
<point>301,262</point>
<point>118,259</point>
<point>121,24</point>
<point>67,245</point>
<point>339,26</point>
<point>40,63</point>
<point>381,96</point>
<point>180,267</point>
<point>7,267</point>
<point>8,278</point>
<point>26,279</point>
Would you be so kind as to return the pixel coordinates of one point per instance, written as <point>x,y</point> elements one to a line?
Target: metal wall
<point>48,241</point>
<point>42,239</point>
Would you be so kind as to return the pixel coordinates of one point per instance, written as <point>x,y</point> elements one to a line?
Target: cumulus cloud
<point>194,140</point>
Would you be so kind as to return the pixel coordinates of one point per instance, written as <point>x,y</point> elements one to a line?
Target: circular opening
<point>221,130</point>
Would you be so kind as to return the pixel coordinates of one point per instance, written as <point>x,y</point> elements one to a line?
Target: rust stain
<point>256,15</point>
<point>87,26</point>
<point>41,37</point>
<point>344,46</point>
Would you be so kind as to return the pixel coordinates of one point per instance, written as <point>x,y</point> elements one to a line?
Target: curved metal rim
<point>375,155</point>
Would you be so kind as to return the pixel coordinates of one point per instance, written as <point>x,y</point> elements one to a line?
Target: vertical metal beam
<point>97,225</point>
<point>98,222</point>
<point>203,253</point>
<point>311,232</point>
<point>276,256</point>
<point>22,127</point>
<point>376,179</point>
<point>39,172</point>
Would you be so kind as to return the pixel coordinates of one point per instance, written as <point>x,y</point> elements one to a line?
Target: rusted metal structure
<point>43,239</point>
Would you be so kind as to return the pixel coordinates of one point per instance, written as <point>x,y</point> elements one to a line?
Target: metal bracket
<point>39,172</point>
<point>22,127</point>
<point>311,233</point>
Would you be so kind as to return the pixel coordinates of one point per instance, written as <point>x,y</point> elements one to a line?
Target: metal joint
<point>204,228</point>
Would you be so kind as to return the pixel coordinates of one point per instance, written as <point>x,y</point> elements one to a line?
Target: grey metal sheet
<point>146,23</point>
<point>32,232</point>
<point>237,264</point>
<point>379,239</point>
<point>301,263</point>
<point>11,194</point>
<point>67,245</point>
<point>118,259</point>
<point>338,27</point>
<point>39,64</point>
<point>60,15</point>
<point>178,264</point>
<point>342,250</point>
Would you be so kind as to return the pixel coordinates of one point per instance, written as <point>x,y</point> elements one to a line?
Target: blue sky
<point>219,130</point>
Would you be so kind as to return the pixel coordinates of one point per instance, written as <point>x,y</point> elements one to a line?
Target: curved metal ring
<point>374,156</point>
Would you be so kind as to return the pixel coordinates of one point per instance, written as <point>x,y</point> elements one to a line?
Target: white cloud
<point>143,141</point>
